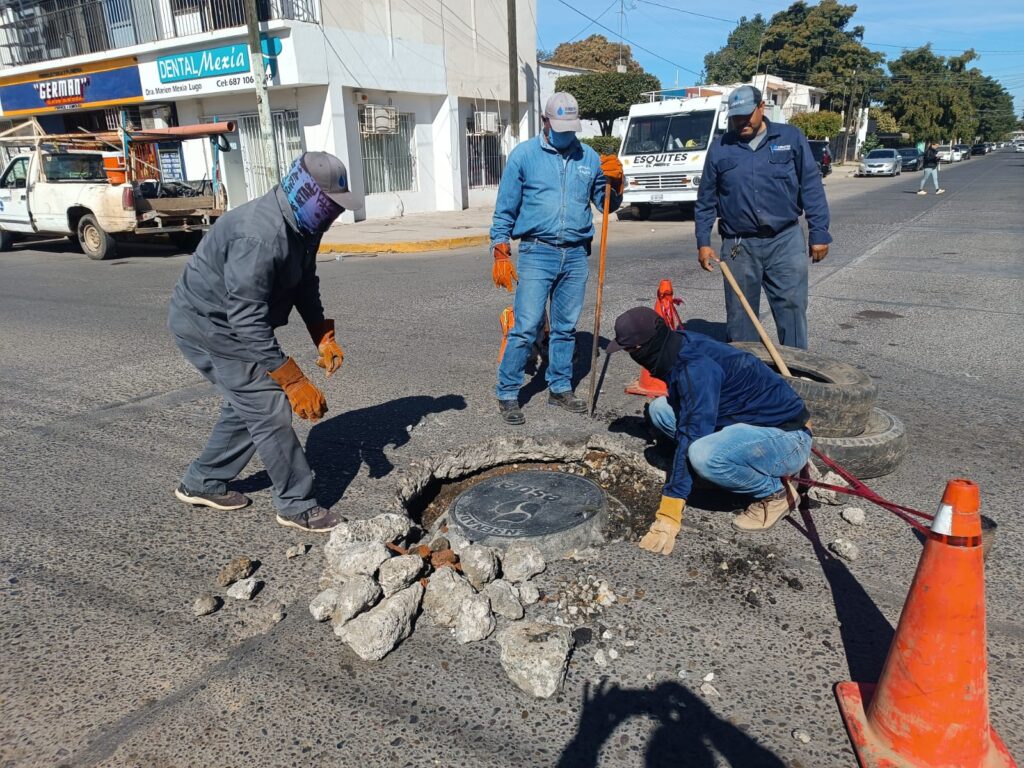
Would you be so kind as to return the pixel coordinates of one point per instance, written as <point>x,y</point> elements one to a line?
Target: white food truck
<point>665,143</point>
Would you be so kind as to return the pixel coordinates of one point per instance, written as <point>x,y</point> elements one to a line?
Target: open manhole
<point>556,511</point>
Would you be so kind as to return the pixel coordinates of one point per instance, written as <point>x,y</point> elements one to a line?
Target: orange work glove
<point>612,170</point>
<point>331,353</point>
<point>307,401</point>
<point>504,272</point>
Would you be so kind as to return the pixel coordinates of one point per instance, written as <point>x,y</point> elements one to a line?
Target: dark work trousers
<point>779,264</point>
<point>254,417</point>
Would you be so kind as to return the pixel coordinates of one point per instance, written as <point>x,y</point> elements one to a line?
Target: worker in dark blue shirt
<point>757,180</point>
<point>736,422</point>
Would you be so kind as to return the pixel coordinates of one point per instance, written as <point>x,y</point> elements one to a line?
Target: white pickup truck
<point>53,194</point>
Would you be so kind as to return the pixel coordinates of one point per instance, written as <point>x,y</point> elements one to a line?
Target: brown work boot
<point>762,514</point>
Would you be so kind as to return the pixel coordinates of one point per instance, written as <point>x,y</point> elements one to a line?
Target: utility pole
<point>513,73</point>
<point>259,75</point>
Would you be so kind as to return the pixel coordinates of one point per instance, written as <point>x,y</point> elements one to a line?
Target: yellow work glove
<point>611,167</point>
<point>307,401</point>
<point>667,522</point>
<point>331,353</point>
<point>504,272</point>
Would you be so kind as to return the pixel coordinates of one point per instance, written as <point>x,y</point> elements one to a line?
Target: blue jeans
<point>545,273</point>
<point>740,458</point>
<point>780,265</point>
<point>934,173</point>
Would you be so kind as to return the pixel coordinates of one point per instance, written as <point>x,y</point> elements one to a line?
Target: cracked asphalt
<point>103,663</point>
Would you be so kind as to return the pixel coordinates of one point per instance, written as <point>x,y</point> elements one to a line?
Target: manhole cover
<point>554,510</point>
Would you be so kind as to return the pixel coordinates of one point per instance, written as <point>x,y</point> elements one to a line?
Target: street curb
<point>407,246</point>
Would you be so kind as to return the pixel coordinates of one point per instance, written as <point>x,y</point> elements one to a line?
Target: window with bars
<point>486,156</point>
<point>389,159</point>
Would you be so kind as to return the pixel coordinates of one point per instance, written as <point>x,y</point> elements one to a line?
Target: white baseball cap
<point>563,113</point>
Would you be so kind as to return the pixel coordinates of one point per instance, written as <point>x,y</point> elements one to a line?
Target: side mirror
<point>20,183</point>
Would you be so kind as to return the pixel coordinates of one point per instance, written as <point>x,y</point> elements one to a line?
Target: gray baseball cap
<point>563,113</point>
<point>331,176</point>
<point>744,100</point>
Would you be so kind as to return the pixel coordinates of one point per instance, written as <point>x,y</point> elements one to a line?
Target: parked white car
<point>880,162</point>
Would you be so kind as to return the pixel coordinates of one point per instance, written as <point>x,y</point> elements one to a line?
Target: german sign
<point>91,86</point>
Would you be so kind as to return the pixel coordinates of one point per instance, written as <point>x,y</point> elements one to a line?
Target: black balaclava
<point>658,354</point>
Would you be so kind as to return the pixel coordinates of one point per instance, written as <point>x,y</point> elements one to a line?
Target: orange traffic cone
<point>930,707</point>
<point>664,305</point>
<point>507,320</point>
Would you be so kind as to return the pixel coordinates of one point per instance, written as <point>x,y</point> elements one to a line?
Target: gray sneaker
<point>313,520</point>
<point>568,401</point>
<point>225,501</point>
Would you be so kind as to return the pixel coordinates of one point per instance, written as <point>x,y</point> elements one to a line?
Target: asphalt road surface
<point>104,664</point>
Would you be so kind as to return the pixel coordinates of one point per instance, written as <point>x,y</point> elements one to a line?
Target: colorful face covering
<point>561,139</point>
<point>314,211</point>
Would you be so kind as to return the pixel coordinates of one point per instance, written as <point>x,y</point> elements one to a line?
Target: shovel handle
<point>776,357</point>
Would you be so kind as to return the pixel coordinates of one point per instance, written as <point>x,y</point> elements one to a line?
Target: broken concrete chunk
<point>457,541</point>
<point>399,572</point>
<point>535,656</point>
<point>374,634</point>
<point>357,558</point>
<point>205,604</point>
<point>528,593</point>
<point>824,495</point>
<point>243,589</point>
<point>479,564</point>
<point>296,551</point>
<point>853,515</point>
<point>605,596</point>
<point>474,620</point>
<point>354,596</point>
<point>845,549</point>
<point>522,562</point>
<point>445,592</point>
<point>504,600</point>
<point>238,568</point>
<point>322,606</point>
<point>384,529</point>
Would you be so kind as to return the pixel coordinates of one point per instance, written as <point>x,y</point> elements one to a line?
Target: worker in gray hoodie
<point>254,266</point>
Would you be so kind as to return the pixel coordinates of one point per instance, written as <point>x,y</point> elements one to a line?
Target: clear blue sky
<point>677,41</point>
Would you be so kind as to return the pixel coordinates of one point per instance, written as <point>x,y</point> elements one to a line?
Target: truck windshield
<point>669,133</point>
<point>74,167</point>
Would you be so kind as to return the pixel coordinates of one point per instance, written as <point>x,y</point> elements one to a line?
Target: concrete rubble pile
<point>381,574</point>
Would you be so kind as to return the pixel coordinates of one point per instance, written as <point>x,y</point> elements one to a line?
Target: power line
<point>611,5</point>
<point>689,13</point>
<point>635,45</point>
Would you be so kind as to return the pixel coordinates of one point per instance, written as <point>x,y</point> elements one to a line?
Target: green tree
<point>736,61</point>
<point>818,125</point>
<point>885,122</point>
<point>596,52</point>
<point>993,106</point>
<point>604,96</point>
<point>930,95</point>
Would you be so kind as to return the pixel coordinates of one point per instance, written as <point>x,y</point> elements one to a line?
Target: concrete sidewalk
<point>437,231</point>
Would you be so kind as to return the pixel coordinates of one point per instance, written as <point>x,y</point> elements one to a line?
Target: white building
<point>413,95</point>
<point>791,98</point>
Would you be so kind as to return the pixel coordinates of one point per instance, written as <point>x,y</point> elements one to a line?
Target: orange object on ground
<point>507,320</point>
<point>665,305</point>
<point>930,707</point>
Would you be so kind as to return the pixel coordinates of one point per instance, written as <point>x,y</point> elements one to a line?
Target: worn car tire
<point>838,396</point>
<point>7,240</point>
<point>96,244</point>
<point>876,452</point>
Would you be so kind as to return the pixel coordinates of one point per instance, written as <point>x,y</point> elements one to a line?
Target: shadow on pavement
<point>688,732</point>
<point>536,367</point>
<point>865,632</point>
<point>338,447</point>
<point>715,330</point>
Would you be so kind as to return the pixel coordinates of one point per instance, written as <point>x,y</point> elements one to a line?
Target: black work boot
<point>313,520</point>
<point>568,401</point>
<point>227,501</point>
<point>510,412</point>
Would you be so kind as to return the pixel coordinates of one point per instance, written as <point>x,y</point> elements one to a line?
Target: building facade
<point>413,95</point>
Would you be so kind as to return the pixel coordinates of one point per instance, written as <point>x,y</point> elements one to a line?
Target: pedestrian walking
<point>931,169</point>
<point>758,179</point>
<point>735,421</point>
<point>254,266</point>
<point>544,201</point>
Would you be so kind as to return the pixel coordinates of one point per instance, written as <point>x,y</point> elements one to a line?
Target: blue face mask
<point>561,139</point>
<point>314,211</point>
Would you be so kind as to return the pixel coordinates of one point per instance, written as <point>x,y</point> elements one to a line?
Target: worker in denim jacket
<point>544,202</point>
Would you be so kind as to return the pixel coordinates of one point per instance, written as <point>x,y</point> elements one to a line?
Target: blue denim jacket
<point>547,195</point>
<point>766,189</point>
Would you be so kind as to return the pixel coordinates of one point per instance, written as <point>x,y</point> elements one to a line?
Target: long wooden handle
<point>600,294</point>
<point>776,357</point>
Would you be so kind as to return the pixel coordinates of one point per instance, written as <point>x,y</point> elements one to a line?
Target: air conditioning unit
<point>485,122</point>
<point>378,119</point>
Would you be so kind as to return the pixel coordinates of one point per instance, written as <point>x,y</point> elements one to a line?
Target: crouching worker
<point>736,422</point>
<point>254,266</point>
